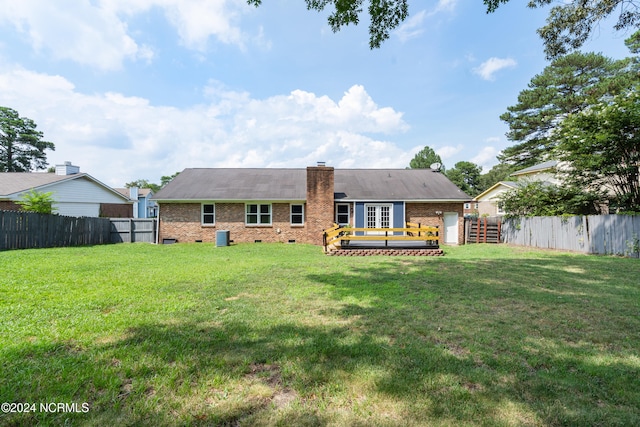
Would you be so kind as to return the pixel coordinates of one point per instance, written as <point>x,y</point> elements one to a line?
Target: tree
<point>568,85</point>
<point>425,158</point>
<point>537,198</point>
<point>568,26</point>
<point>570,23</point>
<point>21,145</point>
<point>466,175</point>
<point>165,179</point>
<point>602,147</point>
<point>143,183</point>
<point>497,173</point>
<point>36,201</point>
<point>385,15</point>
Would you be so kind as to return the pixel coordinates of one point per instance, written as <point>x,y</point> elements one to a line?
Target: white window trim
<point>291,214</point>
<point>202,214</point>
<point>348,205</point>
<point>258,224</point>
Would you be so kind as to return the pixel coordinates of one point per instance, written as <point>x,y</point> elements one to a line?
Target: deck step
<point>386,252</point>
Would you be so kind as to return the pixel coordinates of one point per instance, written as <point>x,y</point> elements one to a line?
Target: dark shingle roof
<point>395,184</point>
<point>290,184</point>
<point>236,184</point>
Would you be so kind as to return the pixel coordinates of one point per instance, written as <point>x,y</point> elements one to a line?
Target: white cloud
<point>96,33</point>
<point>85,33</point>
<point>412,27</point>
<point>449,151</point>
<point>118,138</point>
<point>197,20</point>
<point>445,6</point>
<point>487,156</point>
<point>487,69</point>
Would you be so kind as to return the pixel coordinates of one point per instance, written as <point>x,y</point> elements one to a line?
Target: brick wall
<point>8,205</point>
<point>425,214</point>
<point>116,210</point>
<point>182,221</point>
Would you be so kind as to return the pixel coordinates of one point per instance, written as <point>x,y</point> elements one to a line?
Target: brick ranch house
<point>296,205</point>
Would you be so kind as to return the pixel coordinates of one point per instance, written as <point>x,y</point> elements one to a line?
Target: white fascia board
<point>228,201</point>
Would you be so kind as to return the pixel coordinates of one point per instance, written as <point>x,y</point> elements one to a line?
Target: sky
<point>139,89</point>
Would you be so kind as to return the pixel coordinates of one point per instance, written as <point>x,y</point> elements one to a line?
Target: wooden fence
<point>130,230</point>
<point>593,234</point>
<point>482,230</point>
<point>26,230</point>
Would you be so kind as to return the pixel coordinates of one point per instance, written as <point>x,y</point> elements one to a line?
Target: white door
<point>451,228</point>
<point>378,216</point>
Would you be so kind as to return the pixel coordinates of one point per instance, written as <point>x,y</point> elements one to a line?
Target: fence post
<point>484,237</point>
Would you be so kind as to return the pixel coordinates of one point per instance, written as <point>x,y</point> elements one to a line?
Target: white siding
<point>493,194</point>
<point>83,190</point>
<point>78,209</point>
<point>81,197</point>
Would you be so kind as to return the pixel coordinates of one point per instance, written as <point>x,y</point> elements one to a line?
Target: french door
<point>378,216</point>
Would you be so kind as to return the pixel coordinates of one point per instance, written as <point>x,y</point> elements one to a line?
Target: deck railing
<point>338,236</point>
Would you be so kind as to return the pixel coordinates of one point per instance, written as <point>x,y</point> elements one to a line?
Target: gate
<point>483,230</point>
<point>131,230</point>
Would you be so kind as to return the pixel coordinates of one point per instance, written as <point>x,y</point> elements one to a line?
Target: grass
<point>273,334</point>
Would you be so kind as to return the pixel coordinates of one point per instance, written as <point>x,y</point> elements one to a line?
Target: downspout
<point>158,225</point>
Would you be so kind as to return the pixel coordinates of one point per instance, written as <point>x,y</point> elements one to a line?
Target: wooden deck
<point>414,239</point>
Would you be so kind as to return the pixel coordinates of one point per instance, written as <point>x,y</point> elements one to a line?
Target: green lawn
<point>275,334</point>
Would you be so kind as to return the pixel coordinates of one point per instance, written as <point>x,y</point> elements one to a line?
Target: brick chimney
<point>67,169</point>
<point>319,210</point>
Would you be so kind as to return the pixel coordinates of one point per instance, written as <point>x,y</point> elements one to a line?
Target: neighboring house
<point>296,205</point>
<point>470,209</point>
<point>74,193</point>
<point>143,206</point>
<point>488,200</point>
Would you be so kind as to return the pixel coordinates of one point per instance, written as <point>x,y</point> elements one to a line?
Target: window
<point>476,207</point>
<point>500,210</point>
<point>343,214</point>
<point>258,215</point>
<point>467,205</point>
<point>297,214</point>
<point>208,214</point>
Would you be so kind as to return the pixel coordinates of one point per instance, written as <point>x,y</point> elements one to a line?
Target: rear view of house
<point>296,205</point>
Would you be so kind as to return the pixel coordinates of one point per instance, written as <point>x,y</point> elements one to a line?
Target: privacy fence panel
<point>24,230</point>
<point>131,230</point>
<point>593,234</point>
